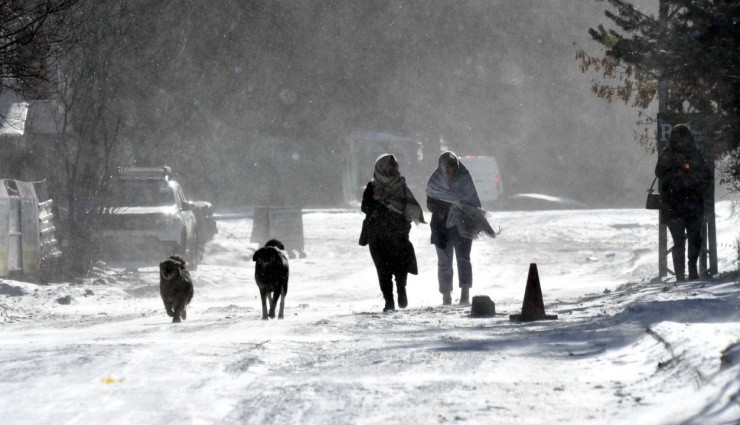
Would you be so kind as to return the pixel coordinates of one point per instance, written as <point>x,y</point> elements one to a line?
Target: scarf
<point>460,189</point>
<point>465,212</point>
<point>391,191</point>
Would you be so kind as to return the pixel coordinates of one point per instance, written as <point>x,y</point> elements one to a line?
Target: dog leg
<point>263,295</point>
<point>176,315</point>
<point>282,302</point>
<point>168,308</point>
<point>273,303</point>
<point>179,308</point>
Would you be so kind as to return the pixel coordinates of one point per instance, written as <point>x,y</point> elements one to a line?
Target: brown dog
<point>175,287</point>
<point>271,275</point>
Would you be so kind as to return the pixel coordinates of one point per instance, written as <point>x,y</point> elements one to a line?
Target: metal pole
<point>708,254</point>
<point>662,109</point>
<point>702,263</point>
<point>711,228</point>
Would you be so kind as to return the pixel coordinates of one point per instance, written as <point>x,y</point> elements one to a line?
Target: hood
<point>448,158</point>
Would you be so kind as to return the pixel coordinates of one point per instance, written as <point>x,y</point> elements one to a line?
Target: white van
<point>486,176</point>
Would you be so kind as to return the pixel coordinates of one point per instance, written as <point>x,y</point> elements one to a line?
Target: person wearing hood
<point>685,180</point>
<point>457,219</point>
<point>389,208</point>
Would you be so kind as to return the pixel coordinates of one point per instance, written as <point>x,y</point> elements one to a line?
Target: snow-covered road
<point>626,348</point>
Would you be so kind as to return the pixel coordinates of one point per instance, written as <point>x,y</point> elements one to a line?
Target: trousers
<point>389,263</point>
<point>459,247</point>
<point>683,229</point>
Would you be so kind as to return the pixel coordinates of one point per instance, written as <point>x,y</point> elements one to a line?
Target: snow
<point>627,348</point>
<point>13,119</point>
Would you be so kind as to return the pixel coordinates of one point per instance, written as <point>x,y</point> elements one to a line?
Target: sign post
<point>698,125</point>
<point>662,142</point>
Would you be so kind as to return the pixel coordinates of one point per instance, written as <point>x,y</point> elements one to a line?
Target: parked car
<point>148,216</point>
<point>486,177</point>
<point>538,201</point>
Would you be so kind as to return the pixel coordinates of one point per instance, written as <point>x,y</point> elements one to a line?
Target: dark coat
<point>388,229</point>
<point>438,224</point>
<point>685,179</point>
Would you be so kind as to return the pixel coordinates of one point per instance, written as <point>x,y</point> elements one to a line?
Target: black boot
<point>693,274</point>
<point>389,305</point>
<point>402,300</point>
<point>386,288</point>
<point>680,275</point>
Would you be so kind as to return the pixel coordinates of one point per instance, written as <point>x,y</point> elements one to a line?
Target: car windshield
<point>142,194</point>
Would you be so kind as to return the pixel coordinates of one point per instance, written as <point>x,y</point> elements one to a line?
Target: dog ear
<point>257,254</point>
<point>183,274</point>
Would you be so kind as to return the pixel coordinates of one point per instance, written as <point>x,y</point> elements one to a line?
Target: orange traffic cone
<point>533,308</point>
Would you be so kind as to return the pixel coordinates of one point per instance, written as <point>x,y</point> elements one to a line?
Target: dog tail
<point>178,259</point>
<point>275,243</point>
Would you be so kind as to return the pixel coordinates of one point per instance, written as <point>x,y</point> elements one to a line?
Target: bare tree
<point>29,32</point>
<point>89,88</point>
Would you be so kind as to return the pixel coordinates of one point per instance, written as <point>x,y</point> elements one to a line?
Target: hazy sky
<point>246,97</point>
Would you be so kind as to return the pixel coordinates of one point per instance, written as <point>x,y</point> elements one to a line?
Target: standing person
<point>456,220</point>
<point>685,179</point>
<point>389,208</point>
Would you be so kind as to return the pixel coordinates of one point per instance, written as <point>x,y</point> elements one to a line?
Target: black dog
<point>175,287</point>
<point>271,275</point>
